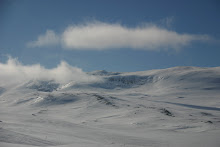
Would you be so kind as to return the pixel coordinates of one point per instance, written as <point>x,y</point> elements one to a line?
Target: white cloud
<point>48,39</point>
<point>102,36</point>
<point>13,72</point>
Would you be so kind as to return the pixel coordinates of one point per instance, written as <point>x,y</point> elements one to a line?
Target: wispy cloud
<point>14,72</point>
<point>167,21</point>
<point>102,36</point>
<point>50,38</point>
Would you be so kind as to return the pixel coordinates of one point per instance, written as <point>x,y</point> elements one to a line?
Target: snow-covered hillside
<point>175,107</point>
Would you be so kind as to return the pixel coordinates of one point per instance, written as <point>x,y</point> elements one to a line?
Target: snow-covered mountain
<point>171,107</point>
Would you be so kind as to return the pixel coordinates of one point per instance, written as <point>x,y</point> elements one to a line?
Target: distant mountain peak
<point>104,73</point>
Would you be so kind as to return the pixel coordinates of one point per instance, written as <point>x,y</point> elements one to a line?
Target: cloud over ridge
<point>102,36</point>
<point>14,72</point>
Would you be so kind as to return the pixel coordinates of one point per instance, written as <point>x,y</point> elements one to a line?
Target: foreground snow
<point>160,108</point>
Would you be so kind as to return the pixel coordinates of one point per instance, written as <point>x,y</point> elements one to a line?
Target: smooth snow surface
<point>175,107</point>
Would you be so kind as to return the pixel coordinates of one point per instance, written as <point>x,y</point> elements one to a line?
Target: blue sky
<point>112,35</point>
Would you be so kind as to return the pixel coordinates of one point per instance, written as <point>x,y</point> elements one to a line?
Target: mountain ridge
<point>116,109</point>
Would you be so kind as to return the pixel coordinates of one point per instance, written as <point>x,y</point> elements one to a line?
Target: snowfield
<point>174,107</point>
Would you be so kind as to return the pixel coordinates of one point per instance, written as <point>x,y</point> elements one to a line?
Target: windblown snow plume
<point>13,72</point>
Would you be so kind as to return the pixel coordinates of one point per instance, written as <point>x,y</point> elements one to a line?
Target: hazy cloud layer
<point>48,39</point>
<point>14,72</point>
<point>102,36</point>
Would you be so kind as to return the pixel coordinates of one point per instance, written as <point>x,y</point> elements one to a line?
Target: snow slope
<point>172,107</point>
